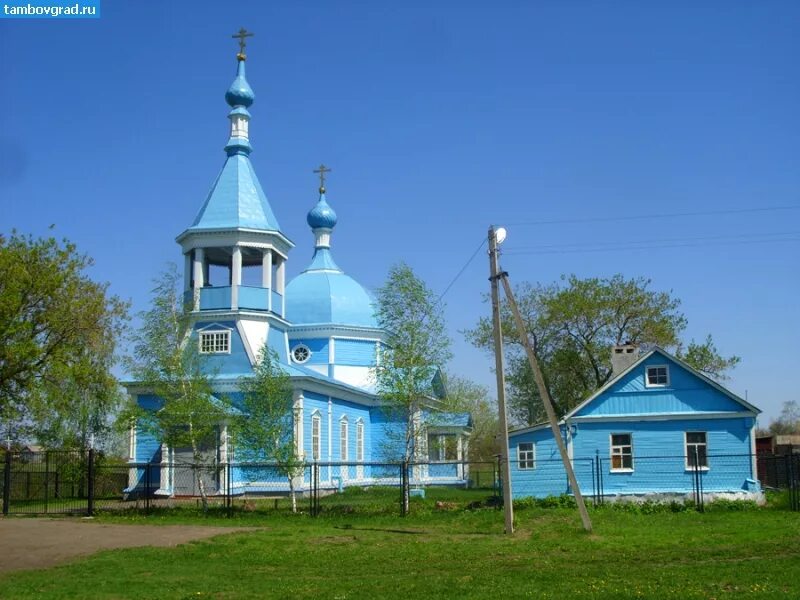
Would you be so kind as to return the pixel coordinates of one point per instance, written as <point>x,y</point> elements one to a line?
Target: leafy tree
<point>265,428</point>
<point>417,343</point>
<point>789,421</point>
<point>464,395</point>
<point>573,324</point>
<point>167,362</point>
<point>58,335</point>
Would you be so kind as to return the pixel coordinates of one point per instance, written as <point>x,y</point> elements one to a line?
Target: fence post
<point>147,486</point>
<point>46,479</point>
<point>404,500</point>
<point>90,484</point>
<point>7,482</point>
<point>229,495</point>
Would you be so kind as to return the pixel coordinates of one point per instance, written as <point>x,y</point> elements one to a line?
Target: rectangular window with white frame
<point>696,450</point>
<point>657,376</point>
<point>215,342</point>
<point>621,452</point>
<point>526,456</point>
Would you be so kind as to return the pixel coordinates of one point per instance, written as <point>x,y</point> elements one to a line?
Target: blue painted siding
<point>215,298</point>
<point>314,402</point>
<point>659,464</point>
<point>276,339</point>
<point>319,350</point>
<point>357,353</point>
<point>686,393</point>
<point>252,297</point>
<point>388,429</point>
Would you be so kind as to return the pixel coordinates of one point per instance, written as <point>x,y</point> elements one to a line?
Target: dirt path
<point>36,543</point>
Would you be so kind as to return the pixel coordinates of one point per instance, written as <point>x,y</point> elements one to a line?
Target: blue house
<point>321,325</point>
<point>656,428</point>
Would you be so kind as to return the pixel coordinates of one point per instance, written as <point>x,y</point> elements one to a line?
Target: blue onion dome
<point>322,215</point>
<point>240,93</point>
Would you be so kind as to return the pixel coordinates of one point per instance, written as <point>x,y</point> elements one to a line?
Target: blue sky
<point>555,119</point>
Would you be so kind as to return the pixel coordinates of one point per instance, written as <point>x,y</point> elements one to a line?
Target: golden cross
<point>322,170</point>
<point>243,33</point>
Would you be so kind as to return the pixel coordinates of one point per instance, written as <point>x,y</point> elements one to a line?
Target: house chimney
<point>623,356</point>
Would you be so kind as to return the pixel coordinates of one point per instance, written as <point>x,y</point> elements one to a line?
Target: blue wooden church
<point>321,325</point>
<point>656,428</point>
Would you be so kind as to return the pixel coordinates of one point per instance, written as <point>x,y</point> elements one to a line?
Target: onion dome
<point>322,215</point>
<point>240,93</point>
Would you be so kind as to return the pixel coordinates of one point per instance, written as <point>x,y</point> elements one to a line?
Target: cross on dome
<point>242,35</point>
<point>322,169</point>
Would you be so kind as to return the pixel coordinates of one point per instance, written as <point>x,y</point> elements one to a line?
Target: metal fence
<point>66,482</point>
<point>76,482</point>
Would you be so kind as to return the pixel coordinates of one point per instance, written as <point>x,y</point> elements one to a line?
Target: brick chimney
<point>623,356</point>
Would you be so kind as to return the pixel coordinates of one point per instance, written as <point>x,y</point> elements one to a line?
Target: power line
<point>703,213</point>
<point>461,272</point>
<point>769,235</point>
<point>653,247</point>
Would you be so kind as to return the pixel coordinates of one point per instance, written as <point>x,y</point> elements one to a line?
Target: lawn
<point>456,553</point>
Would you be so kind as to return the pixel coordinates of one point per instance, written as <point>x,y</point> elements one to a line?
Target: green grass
<point>669,553</point>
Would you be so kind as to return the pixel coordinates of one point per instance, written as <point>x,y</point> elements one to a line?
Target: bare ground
<point>37,543</point>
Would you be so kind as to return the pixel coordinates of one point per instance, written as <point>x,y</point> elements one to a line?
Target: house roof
<point>611,382</point>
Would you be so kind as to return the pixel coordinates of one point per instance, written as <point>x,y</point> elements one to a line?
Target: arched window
<point>360,440</point>
<point>316,436</point>
<point>343,439</point>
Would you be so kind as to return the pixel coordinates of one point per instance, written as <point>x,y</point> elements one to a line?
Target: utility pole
<point>548,404</point>
<point>505,465</point>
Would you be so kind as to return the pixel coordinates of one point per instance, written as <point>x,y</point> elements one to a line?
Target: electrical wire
<point>703,213</point>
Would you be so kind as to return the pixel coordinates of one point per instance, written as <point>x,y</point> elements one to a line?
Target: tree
<point>573,324</point>
<point>58,335</point>
<point>265,428</point>
<point>789,421</point>
<point>417,343</point>
<point>464,395</point>
<point>167,362</point>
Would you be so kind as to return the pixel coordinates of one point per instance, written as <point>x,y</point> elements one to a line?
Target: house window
<point>215,342</point>
<point>657,376</point>
<point>526,455</point>
<point>442,447</point>
<point>343,440</point>
<point>621,452</point>
<point>360,441</point>
<point>301,353</point>
<point>316,437</point>
<point>696,450</point>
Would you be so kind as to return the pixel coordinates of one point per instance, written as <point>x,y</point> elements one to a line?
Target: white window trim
<point>655,385</point>
<point>520,460</point>
<point>687,466</point>
<point>611,452</point>
<point>132,443</point>
<point>316,447</point>
<point>300,362</point>
<point>201,333</point>
<point>344,449</point>
<point>360,440</point>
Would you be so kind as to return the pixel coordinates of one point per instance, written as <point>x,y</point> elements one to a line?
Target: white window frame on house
<point>618,450</point>
<point>359,441</point>
<point>344,439</point>
<point>688,448</point>
<point>316,436</point>
<point>302,348</point>
<point>437,447</point>
<point>219,341</point>
<point>526,457</point>
<point>658,384</point>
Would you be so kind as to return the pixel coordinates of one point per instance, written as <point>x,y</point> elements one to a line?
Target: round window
<point>301,353</point>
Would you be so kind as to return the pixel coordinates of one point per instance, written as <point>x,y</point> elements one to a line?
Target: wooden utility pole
<point>505,465</point>
<point>548,404</point>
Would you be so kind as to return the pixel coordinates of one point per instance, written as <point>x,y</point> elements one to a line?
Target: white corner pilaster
<point>280,284</point>
<point>299,445</point>
<point>199,260</point>
<point>330,433</point>
<point>236,276</point>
